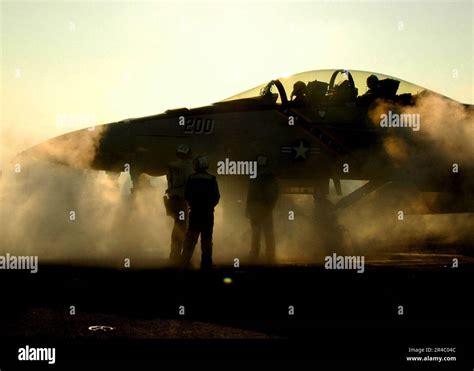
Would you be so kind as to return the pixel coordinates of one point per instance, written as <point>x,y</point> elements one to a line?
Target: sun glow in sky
<point>108,61</point>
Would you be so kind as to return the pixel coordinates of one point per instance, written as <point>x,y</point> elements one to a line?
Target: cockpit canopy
<point>329,87</point>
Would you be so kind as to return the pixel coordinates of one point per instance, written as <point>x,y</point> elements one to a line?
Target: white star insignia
<point>301,150</point>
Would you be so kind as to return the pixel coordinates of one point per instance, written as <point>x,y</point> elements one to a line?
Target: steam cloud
<point>446,137</point>
<point>446,131</point>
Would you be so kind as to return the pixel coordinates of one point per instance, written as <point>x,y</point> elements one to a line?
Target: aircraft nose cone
<point>76,149</point>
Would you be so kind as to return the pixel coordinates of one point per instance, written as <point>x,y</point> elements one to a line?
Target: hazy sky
<point>113,60</point>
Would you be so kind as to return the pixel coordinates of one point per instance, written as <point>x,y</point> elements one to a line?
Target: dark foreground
<point>341,318</point>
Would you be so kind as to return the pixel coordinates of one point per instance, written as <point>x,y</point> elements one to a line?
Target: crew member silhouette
<point>261,199</point>
<point>202,195</point>
<point>176,206</point>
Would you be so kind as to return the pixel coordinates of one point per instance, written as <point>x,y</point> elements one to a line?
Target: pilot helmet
<point>183,150</point>
<point>298,88</point>
<point>201,163</point>
<point>372,82</point>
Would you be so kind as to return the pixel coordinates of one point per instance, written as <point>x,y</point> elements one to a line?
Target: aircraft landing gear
<point>328,230</point>
<point>331,236</point>
<point>140,181</point>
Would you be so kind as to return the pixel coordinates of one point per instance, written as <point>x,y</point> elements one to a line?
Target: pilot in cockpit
<point>372,93</point>
<point>299,95</point>
<point>373,85</point>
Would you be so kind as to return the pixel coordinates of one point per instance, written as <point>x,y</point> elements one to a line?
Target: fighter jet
<point>313,127</point>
